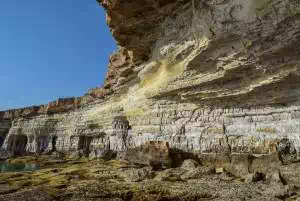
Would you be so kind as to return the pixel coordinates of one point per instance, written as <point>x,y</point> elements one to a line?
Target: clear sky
<point>51,49</point>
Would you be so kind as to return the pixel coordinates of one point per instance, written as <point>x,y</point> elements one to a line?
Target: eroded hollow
<point>1,141</point>
<point>84,144</point>
<point>42,143</point>
<point>53,143</point>
<point>17,144</point>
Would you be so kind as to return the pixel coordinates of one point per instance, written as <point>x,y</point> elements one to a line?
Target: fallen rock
<point>291,173</point>
<point>197,173</point>
<point>170,175</point>
<point>255,177</point>
<point>275,179</point>
<point>226,177</point>
<point>189,164</point>
<point>152,153</point>
<point>135,175</point>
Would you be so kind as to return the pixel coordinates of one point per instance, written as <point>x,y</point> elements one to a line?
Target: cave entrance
<point>84,144</point>
<point>21,142</point>
<point>17,144</point>
<point>1,141</point>
<point>42,143</point>
<point>53,143</point>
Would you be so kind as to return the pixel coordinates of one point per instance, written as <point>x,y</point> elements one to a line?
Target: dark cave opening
<point>53,143</point>
<point>17,144</point>
<point>84,144</point>
<point>42,143</point>
<point>1,141</point>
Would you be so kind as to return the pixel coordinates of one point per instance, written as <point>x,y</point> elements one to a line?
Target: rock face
<point>4,128</point>
<point>219,79</point>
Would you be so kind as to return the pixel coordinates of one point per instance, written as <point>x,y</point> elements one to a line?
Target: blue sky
<point>51,49</point>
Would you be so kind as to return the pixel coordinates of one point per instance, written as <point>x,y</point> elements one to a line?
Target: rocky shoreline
<point>153,172</point>
<point>66,179</point>
<point>212,81</point>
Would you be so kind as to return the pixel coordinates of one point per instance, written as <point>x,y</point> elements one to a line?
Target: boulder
<point>197,173</point>
<point>255,177</point>
<point>189,164</point>
<point>275,179</point>
<point>152,153</point>
<point>137,174</point>
<point>170,175</point>
<point>291,173</point>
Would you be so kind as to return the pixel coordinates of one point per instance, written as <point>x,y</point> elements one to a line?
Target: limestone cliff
<point>212,76</point>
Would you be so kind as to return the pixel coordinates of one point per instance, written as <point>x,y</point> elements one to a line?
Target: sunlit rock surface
<point>217,79</point>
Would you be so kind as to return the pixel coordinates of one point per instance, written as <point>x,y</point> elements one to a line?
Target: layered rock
<point>217,79</point>
<point>4,128</point>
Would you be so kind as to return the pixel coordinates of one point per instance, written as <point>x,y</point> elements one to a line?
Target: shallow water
<point>7,167</point>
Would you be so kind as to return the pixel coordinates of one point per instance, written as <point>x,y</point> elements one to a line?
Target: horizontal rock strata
<point>218,78</point>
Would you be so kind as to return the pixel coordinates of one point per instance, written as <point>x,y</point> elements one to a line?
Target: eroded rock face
<point>4,129</point>
<point>17,144</point>
<point>234,53</point>
<point>215,78</point>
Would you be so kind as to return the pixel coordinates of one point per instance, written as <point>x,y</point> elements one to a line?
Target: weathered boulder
<point>189,164</point>
<point>170,175</point>
<point>291,173</point>
<point>153,153</point>
<point>275,178</point>
<point>255,177</point>
<point>137,174</point>
<point>196,173</point>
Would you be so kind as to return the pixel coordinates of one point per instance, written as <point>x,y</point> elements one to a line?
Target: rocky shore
<point>212,81</point>
<point>66,179</point>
